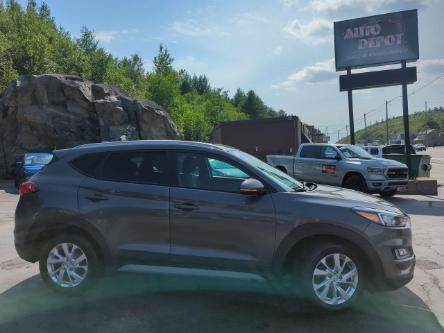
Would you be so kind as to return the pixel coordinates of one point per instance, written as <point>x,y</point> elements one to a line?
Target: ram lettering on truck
<point>343,165</point>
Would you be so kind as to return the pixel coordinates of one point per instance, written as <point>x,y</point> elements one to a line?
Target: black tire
<point>355,182</point>
<point>302,273</point>
<point>94,266</point>
<point>281,168</point>
<point>387,194</point>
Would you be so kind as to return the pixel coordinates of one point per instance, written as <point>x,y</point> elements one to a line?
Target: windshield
<point>354,152</point>
<point>280,177</point>
<point>40,159</point>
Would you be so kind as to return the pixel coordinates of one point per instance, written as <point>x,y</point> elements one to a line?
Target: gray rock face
<point>46,112</point>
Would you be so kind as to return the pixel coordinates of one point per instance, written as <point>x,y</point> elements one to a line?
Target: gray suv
<point>198,205</point>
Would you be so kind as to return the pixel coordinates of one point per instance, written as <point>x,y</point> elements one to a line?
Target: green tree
<point>253,106</point>
<point>163,62</point>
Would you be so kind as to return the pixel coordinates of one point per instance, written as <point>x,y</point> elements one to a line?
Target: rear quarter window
<point>88,164</point>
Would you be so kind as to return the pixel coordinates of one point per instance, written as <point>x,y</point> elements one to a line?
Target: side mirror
<point>252,186</point>
<point>337,157</point>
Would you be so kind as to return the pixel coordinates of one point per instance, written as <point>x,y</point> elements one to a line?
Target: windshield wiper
<point>307,186</point>
<point>311,186</point>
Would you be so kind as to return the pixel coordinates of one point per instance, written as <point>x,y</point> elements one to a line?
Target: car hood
<point>378,163</point>
<point>341,197</point>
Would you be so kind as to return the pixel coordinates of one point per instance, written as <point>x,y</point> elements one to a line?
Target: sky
<point>282,49</point>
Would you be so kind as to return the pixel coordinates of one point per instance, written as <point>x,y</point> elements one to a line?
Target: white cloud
<point>314,32</point>
<point>278,50</point>
<point>431,66</point>
<point>249,18</point>
<point>322,71</point>
<point>345,7</point>
<point>290,3</point>
<point>107,37</point>
<point>193,28</point>
<point>191,64</point>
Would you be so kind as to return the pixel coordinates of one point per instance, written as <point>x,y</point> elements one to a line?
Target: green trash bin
<point>420,164</point>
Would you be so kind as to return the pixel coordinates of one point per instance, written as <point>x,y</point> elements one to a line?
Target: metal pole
<point>346,128</point>
<point>350,112</point>
<point>338,135</point>
<point>405,113</point>
<point>386,122</point>
<point>365,126</point>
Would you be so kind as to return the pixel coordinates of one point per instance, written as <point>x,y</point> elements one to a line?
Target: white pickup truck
<point>343,165</point>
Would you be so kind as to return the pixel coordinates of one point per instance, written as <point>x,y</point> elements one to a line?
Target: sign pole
<point>386,122</point>
<point>405,114</point>
<point>350,112</point>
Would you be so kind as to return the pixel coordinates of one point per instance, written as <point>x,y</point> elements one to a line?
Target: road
<point>166,303</point>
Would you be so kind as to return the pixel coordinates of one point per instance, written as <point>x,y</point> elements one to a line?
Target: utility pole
<point>405,115</point>
<point>425,106</point>
<point>338,135</point>
<point>350,111</point>
<point>365,125</point>
<point>346,128</point>
<point>386,122</point>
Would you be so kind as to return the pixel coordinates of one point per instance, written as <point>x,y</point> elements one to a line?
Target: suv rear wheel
<point>329,276</point>
<point>68,263</point>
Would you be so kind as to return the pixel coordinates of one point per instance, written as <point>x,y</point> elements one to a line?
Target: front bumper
<point>395,271</point>
<point>386,185</point>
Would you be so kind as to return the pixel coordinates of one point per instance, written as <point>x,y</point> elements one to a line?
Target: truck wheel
<point>69,264</point>
<point>355,182</point>
<point>281,168</point>
<point>387,193</point>
<point>329,275</point>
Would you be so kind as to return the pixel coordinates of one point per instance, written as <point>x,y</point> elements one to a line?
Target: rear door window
<point>311,151</point>
<point>146,167</point>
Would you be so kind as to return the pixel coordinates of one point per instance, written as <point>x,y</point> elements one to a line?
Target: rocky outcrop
<point>46,112</point>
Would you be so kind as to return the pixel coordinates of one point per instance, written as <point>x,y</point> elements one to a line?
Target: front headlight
<point>376,171</point>
<point>383,217</point>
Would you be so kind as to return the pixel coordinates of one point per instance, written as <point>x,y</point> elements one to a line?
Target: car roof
<point>143,144</point>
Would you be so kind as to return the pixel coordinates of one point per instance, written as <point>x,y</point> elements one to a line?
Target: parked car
<point>375,151</point>
<point>419,147</point>
<point>196,205</point>
<point>28,165</point>
<point>397,149</point>
<point>343,165</point>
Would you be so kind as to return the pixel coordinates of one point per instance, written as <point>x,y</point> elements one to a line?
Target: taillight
<point>28,187</point>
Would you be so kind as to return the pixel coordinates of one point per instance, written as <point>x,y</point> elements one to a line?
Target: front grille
<point>398,173</point>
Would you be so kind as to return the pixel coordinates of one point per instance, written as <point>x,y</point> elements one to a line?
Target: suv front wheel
<point>68,263</point>
<point>329,275</point>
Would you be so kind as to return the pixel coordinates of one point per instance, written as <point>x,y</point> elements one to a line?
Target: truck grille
<point>399,173</point>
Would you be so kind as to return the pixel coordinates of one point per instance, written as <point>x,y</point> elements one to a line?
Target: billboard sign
<point>376,40</point>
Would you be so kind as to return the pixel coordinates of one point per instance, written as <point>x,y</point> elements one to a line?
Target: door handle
<point>96,198</point>
<point>186,206</point>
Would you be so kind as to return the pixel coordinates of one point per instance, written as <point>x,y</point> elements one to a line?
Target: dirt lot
<point>182,303</point>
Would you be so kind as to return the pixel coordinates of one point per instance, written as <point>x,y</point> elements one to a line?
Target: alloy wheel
<point>67,265</point>
<point>335,279</point>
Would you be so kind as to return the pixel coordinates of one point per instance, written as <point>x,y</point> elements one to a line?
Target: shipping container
<point>273,136</point>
